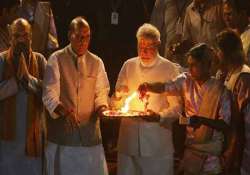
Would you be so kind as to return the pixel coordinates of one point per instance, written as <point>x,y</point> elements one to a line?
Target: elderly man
<point>203,20</point>
<point>232,59</point>
<point>145,148</point>
<point>75,93</point>
<point>21,73</point>
<point>206,103</point>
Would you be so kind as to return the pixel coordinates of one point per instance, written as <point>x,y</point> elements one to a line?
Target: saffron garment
<point>13,157</point>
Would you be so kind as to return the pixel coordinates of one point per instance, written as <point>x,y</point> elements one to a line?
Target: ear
<point>157,44</point>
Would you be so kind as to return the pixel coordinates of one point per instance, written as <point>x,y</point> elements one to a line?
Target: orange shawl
<point>34,109</point>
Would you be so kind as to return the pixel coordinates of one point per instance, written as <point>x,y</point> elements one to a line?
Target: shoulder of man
<point>131,61</point>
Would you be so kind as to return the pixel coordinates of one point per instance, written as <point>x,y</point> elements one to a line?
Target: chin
<point>81,52</point>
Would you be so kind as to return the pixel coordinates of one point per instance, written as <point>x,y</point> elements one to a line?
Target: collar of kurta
<point>75,57</point>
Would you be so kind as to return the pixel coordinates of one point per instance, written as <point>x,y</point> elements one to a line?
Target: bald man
<point>21,73</point>
<point>75,93</point>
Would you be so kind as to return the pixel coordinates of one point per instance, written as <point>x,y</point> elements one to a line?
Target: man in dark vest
<point>75,93</point>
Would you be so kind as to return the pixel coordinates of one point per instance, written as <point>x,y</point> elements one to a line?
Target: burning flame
<point>125,108</point>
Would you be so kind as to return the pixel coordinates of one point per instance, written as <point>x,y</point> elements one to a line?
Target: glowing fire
<point>125,108</point>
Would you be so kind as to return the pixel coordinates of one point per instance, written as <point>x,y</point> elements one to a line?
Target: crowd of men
<point>51,105</point>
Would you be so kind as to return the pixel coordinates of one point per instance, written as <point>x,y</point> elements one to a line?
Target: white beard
<point>148,64</point>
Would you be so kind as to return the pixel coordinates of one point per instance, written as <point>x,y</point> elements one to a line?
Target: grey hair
<point>148,31</point>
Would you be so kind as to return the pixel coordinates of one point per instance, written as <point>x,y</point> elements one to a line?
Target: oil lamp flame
<point>125,108</point>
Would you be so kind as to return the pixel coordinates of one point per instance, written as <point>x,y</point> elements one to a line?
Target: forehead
<point>145,42</point>
<point>81,30</point>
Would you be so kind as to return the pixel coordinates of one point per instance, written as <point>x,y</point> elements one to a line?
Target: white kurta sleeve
<point>51,86</point>
<point>102,87</point>
<point>174,87</point>
<point>122,77</point>
<point>173,90</point>
<point>121,83</point>
<point>169,115</point>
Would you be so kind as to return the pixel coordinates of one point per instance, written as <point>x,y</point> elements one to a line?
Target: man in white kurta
<point>145,148</point>
<point>75,93</point>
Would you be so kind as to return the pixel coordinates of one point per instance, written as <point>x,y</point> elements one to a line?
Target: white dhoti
<point>77,160</point>
<point>134,165</point>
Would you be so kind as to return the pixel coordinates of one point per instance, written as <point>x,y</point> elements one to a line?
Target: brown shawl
<point>34,109</point>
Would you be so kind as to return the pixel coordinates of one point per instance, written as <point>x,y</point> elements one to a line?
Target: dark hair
<point>230,44</point>
<point>201,53</point>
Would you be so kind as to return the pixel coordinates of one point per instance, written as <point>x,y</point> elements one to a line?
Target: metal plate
<point>114,114</point>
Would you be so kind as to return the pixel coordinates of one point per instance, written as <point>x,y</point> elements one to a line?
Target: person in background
<point>168,16</point>
<point>8,10</point>
<point>232,63</point>
<point>40,15</point>
<point>203,20</point>
<point>22,122</point>
<point>245,36</point>
<point>75,93</point>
